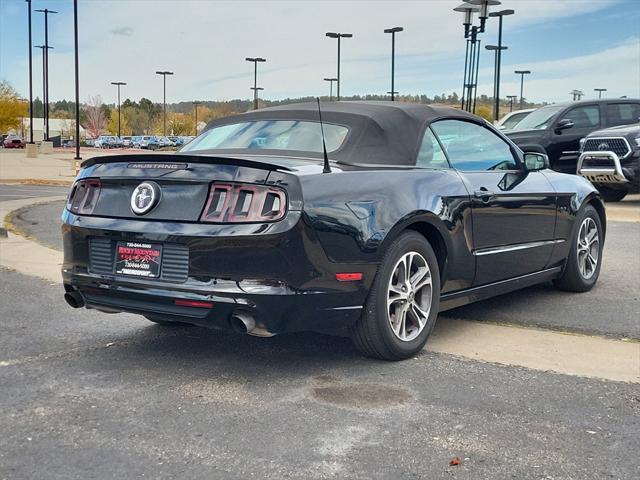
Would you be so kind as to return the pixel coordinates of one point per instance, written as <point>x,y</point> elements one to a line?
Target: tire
<point>373,334</point>
<point>166,323</point>
<point>611,194</point>
<point>579,273</point>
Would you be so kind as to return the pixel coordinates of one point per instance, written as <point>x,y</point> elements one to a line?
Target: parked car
<point>511,119</point>
<point>255,227</point>
<point>126,141</point>
<point>556,130</point>
<point>135,141</point>
<point>90,142</point>
<point>610,159</point>
<point>13,141</point>
<point>165,142</point>
<point>108,141</point>
<point>69,143</point>
<point>149,142</point>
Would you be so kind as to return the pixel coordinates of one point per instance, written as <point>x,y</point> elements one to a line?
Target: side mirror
<point>564,124</point>
<point>534,161</point>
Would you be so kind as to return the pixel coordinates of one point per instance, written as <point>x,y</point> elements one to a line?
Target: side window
<point>431,154</point>
<point>472,147</point>
<point>622,113</point>
<point>584,117</point>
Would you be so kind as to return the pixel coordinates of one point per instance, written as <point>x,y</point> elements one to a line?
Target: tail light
<point>243,203</point>
<point>84,196</point>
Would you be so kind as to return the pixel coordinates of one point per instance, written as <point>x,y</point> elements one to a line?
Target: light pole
<point>118,84</point>
<point>44,81</point>
<point>500,14</point>
<point>46,70</point>
<point>330,80</point>
<point>255,87</point>
<point>77,109</point>
<point>30,75</point>
<point>393,32</point>
<point>522,73</point>
<point>577,95</point>
<point>338,36</point>
<point>599,90</point>
<point>511,99</point>
<point>468,11</point>
<point>164,74</point>
<point>497,49</point>
<point>483,5</point>
<point>195,105</point>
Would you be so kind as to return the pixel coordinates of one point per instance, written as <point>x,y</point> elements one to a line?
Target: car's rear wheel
<point>403,303</point>
<point>585,258</point>
<point>611,194</point>
<point>166,323</point>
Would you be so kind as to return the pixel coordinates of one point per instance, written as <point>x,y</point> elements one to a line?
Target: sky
<point>567,44</point>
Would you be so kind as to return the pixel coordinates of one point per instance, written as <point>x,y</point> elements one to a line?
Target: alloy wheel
<point>588,248</point>
<point>409,296</point>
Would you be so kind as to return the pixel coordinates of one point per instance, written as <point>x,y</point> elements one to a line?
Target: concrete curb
<point>546,350</point>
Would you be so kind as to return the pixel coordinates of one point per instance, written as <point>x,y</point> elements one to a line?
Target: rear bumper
<point>282,278</point>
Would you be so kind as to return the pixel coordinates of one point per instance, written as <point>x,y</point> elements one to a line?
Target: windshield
<point>538,119</point>
<point>295,135</point>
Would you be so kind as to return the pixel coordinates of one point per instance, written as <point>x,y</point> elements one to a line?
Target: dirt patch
<point>359,395</point>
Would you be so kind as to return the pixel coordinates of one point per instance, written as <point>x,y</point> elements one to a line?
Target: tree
<point>95,120</point>
<point>12,108</point>
<point>112,125</point>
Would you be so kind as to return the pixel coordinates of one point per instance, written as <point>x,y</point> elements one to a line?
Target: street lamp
<point>195,104</point>
<point>118,84</point>
<point>30,75</point>
<point>599,90</point>
<point>393,32</point>
<point>164,74</point>
<point>511,99</point>
<point>44,80</point>
<point>484,10</point>
<point>522,73</point>
<point>577,95</point>
<point>497,49</point>
<point>77,109</point>
<point>255,87</point>
<point>338,36</point>
<point>470,34</point>
<point>496,91</point>
<point>330,80</point>
<point>46,69</point>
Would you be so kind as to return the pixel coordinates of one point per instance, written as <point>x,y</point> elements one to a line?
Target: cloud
<point>125,31</point>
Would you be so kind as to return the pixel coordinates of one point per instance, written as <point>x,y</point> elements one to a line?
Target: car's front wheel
<point>403,303</point>
<point>585,257</point>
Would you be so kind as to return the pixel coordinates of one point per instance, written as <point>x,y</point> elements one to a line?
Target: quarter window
<point>584,117</point>
<point>431,154</point>
<point>471,147</point>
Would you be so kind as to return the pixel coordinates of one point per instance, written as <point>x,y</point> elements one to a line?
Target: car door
<point>565,142</point>
<point>513,210</point>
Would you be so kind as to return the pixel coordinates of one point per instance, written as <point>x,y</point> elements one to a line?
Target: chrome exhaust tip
<point>74,299</point>
<point>243,322</point>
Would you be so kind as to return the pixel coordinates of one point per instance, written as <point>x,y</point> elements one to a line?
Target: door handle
<point>483,194</point>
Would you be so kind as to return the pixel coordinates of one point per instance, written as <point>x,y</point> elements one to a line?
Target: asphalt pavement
<point>90,395</point>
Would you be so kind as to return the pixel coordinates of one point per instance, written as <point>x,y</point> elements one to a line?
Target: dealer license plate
<point>138,259</point>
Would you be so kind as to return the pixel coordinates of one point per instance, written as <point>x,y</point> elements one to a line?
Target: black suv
<point>556,129</point>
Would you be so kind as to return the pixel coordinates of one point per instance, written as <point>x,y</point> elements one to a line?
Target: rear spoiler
<point>147,161</point>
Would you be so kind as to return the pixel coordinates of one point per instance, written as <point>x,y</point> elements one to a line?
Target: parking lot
<point>123,398</point>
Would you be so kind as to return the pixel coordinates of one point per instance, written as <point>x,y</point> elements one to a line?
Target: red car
<point>13,141</point>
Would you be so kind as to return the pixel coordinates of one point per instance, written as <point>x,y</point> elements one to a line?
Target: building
<point>58,127</point>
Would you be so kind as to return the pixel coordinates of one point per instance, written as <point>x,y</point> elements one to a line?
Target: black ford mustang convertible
<point>368,219</point>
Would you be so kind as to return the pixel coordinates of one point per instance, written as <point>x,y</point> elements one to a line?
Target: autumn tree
<point>95,119</point>
<point>112,125</point>
<point>12,108</point>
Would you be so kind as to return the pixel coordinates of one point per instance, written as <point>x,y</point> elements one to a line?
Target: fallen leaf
<point>455,461</point>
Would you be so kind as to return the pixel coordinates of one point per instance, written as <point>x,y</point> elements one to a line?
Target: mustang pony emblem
<point>144,197</point>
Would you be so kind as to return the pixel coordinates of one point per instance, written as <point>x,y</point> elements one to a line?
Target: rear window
<point>622,113</point>
<point>295,135</point>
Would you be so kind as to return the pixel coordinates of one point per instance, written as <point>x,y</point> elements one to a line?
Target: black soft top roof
<point>379,132</point>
